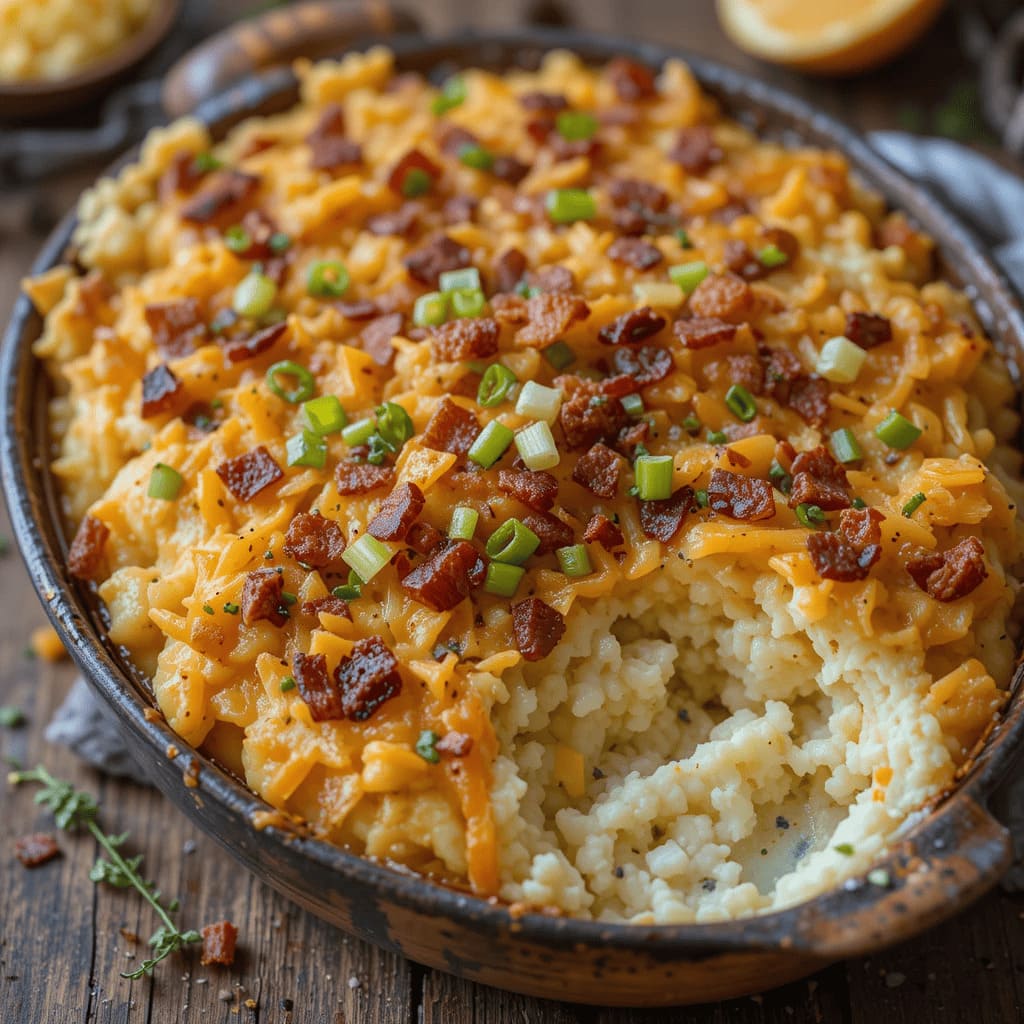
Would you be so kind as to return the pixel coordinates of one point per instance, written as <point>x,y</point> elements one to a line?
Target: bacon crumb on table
<point>85,556</point>
<point>219,944</point>
<point>35,849</point>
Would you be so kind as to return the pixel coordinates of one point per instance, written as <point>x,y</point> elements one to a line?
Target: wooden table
<point>63,940</point>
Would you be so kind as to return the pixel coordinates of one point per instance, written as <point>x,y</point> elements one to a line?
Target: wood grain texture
<point>63,941</point>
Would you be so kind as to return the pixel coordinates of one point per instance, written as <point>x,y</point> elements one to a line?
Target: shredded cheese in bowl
<point>541,482</point>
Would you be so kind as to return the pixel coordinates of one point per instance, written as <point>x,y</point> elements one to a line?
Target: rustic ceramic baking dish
<point>950,856</point>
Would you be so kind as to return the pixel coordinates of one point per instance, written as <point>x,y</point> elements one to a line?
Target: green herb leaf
<point>11,717</point>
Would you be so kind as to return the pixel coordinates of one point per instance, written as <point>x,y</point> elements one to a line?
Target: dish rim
<point>28,484</point>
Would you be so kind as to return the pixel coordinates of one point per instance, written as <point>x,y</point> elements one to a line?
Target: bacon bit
<point>570,149</point>
<point>176,326</point>
<point>631,81</point>
<point>246,475</point>
<point>598,471</point>
<point>536,489</point>
<point>316,688</point>
<point>742,368</point>
<point>509,269</point>
<point>376,337</point>
<point>424,538</point>
<point>584,423</point>
<point>782,367</point>
<point>238,350</point>
<point>663,519</point>
<point>261,597</point>
<point>631,327</point>
<point>847,555</point>
<point>441,254</point>
<point>819,480</point>
<point>161,391</point>
<point>459,209</point>
<point>413,160</point>
<point>219,944</point>
<point>313,540</point>
<point>85,556</point>
<point>509,309</point>
<point>629,437</point>
<point>809,397</point>
<point>553,533</point>
<point>735,207</point>
<point>454,744</point>
<point>368,677</point>
<point>601,530</point>
<point>546,102</point>
<point>635,252</point>
<point>359,309</point>
<point>740,259</point>
<point>785,241</point>
<point>442,581</point>
<point>465,338</point>
<point>550,316</point>
<point>868,329</point>
<point>183,175</point>
<point>35,849</point>
<point>645,365</point>
<point>509,169</point>
<point>331,150</point>
<point>452,138</point>
<point>951,574</point>
<point>226,191</point>
<point>259,229</point>
<point>740,497</point>
<point>451,428</point>
<point>703,331</point>
<point>400,223</point>
<point>725,296</point>
<point>328,604</point>
<point>638,194</point>
<point>361,477</point>
<point>555,279</point>
<point>696,150</point>
<point>398,512</point>
<point>537,628</point>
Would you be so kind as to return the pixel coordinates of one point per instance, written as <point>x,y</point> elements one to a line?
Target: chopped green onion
<point>771,256</point>
<point>325,414</point>
<point>288,598</point>
<point>351,590</point>
<point>208,609</point>
<point>231,608</point>
<point>859,503</point>
<point>633,404</point>
<point>683,239</point>
<point>846,849</point>
<point>575,125</point>
<point>741,403</point>
<point>512,543</point>
<point>879,877</point>
<point>254,295</point>
<point>717,437</point>
<point>840,360</point>
<point>472,154</point>
<point>845,446</point>
<point>165,482</point>
<point>394,425</point>
<point>688,275</point>
<point>426,746</point>
<point>559,355</point>
<point>659,294</point>
<point>359,432</point>
<point>574,560</point>
<point>653,477</point>
<point>702,499</point>
<point>897,431</point>
<point>327,279</point>
<point>288,683</point>
<point>237,239</point>
<point>417,182</point>
<point>503,579</point>
<point>491,444</point>
<point>367,556</point>
<point>780,478</point>
<point>464,522</point>
<point>914,504</point>
<point>566,205</point>
<point>467,302</point>
<point>691,424</point>
<point>495,385</point>
<point>810,516</point>
<point>205,162</point>
<point>279,242</point>
<point>306,449</point>
<point>430,310</point>
<point>536,446</point>
<point>468,279</point>
<point>538,402</point>
<point>453,93</point>
<point>305,383</point>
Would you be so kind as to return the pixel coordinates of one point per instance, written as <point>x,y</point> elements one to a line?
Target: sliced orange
<point>826,36</point>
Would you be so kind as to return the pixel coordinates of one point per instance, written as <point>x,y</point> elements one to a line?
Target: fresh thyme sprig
<point>73,810</point>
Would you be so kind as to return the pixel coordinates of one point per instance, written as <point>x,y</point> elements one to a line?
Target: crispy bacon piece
<point>451,428</point>
<point>695,149</point>
<point>226,191</point>
<point>634,192</point>
<point>465,338</point>
<point>951,574</point>
<point>454,744</point>
<point>441,254</point>
<point>536,489</point>
<point>259,229</point>
<point>161,391</point>
<point>555,279</point>
<point>543,102</point>
<point>635,252</point>
<point>741,368</point>
<point>368,677</point>
<point>549,316</point>
<point>313,540</point>
<point>782,368</point>
<point>740,259</point>
<point>316,688</point>
<point>703,331</point>
<point>537,628</point>
<point>183,175</point>
<point>509,309</point>
<point>358,309</point>
<point>261,597</point>
<point>509,269</point>
<point>601,530</point>
<point>459,209</point>
<point>246,475</point>
<point>177,327</point>
<point>35,849</point>
<point>868,329</point>
<point>848,554</point>
<point>819,480</point>
<point>442,581</point>
<point>330,148</point>
<point>329,604</point>
<point>452,138</point>
<point>219,944</point>
<point>237,350</point>
<point>632,81</point>
<point>376,337</point>
<point>724,296</point>
<point>586,421</point>
<point>645,365</point>
<point>400,223</point>
<point>400,509</point>
<point>424,538</point>
<point>85,556</point>
<point>663,518</point>
<point>361,477</point>
<point>553,533</point>
<point>509,169</point>
<point>740,497</point>
<point>413,160</point>
<point>598,470</point>
<point>631,327</point>
<point>808,396</point>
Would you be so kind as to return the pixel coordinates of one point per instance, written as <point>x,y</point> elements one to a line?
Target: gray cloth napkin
<point>987,197</point>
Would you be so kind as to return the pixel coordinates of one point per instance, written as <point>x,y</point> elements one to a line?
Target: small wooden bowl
<point>39,97</point>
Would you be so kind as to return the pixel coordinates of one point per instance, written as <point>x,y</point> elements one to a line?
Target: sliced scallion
<point>305,383</point>
<point>165,482</point>
<point>359,432</point>
<point>741,403</point>
<point>633,404</point>
<point>536,446</point>
<point>466,278</point>
<point>845,446</point>
<point>417,182</point>
<point>653,477</point>
<point>503,579</point>
<point>717,437</point>
<point>306,449</point>
<point>559,355</point>
<point>464,522</point>
<point>914,504</point>
<point>840,360</point>
<point>771,256</point>
<point>327,279</point>
<point>254,295</point>
<point>512,543</point>
<point>701,497</point>
<point>325,414</point>
<point>237,239</point>
<point>286,684</point>
<point>897,431</point>
<point>367,556</point>
<point>688,275</point>
<point>780,478</point>
<point>430,310</point>
<point>476,156</point>
<point>574,560</point>
<point>453,93</point>
<point>491,443</point>
<point>496,383</point>
<point>468,302</point>
<point>566,205</point>
<point>426,746</point>
<point>539,402</point>
<point>394,425</point>
<point>576,125</point>
<point>810,516</point>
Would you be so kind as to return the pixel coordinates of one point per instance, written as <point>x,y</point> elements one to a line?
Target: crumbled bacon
<point>631,81</point>
<point>509,169</point>
<point>330,148</point>
<point>550,315</point>
<point>740,497</point>
<point>246,475</point>
<point>819,480</point>
<point>400,509</point>
<point>631,327</point>
<point>703,331</point>
<point>663,518</point>
<point>451,428</point>
<point>951,574</point>
<point>598,470</point>
<point>848,554</point>
<point>453,138</point>
<point>631,436</point>
<point>536,489</point>
<point>782,368</point>
<point>508,270</point>
<point>259,229</point>
<point>358,309</point>
<point>161,391</point>
<point>85,556</point>
<point>401,222</point>
<point>329,604</point>
<point>601,530</point>
<point>695,149</point>
<point>219,944</point>
<point>424,538</point>
<point>740,259</point>
<point>638,194</point>
<point>645,365</point>
<point>313,540</point>
<point>35,849</point>
<point>262,596</point>
<point>454,744</point>
<point>442,581</point>
<point>441,254</point>
<point>465,338</point>
<point>808,396</point>
<point>724,296</point>
<point>413,160</point>
<point>316,687</point>
<point>552,531</point>
<point>555,279</point>
<point>569,149</point>
<point>459,209</point>
<point>584,420</point>
<point>183,175</point>
<point>509,309</point>
<point>237,350</point>
<point>741,368</point>
<point>177,327</point>
<point>537,628</point>
<point>361,477</point>
<point>868,329</point>
<point>635,252</point>
<point>226,192</point>
<point>368,677</point>
<point>376,337</point>
<point>543,102</point>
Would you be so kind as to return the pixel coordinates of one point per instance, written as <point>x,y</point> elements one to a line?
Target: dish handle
<point>313,29</point>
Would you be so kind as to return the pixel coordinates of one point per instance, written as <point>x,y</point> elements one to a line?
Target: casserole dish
<point>950,856</point>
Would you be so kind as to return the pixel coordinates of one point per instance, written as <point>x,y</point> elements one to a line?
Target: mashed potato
<point>724,471</point>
